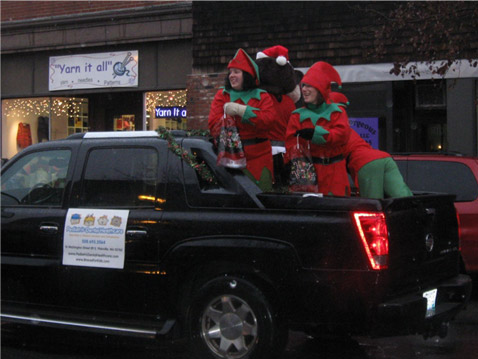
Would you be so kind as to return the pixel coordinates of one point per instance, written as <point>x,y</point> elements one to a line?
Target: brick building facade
<point>344,34</point>
<point>187,45</point>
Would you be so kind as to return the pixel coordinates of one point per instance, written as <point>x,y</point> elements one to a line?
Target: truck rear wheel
<point>231,318</point>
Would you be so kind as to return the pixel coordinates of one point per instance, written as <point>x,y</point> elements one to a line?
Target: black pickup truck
<point>141,234</point>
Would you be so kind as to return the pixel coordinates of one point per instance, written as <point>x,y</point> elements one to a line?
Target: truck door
<point>33,191</point>
<point>115,270</point>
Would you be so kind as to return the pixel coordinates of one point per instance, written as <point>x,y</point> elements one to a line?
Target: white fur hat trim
<point>260,55</point>
<point>281,60</point>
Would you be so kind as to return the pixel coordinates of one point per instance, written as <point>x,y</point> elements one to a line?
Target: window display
<point>166,109</point>
<point>26,121</point>
<point>124,123</point>
<point>77,116</point>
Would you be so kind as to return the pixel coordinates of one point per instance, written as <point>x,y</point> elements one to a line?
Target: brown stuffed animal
<point>278,77</point>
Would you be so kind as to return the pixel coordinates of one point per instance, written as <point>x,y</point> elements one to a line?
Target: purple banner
<point>367,128</point>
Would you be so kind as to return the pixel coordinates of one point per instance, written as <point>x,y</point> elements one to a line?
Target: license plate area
<point>431,297</point>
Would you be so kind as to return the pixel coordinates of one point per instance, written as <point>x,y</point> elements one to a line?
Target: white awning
<point>381,72</point>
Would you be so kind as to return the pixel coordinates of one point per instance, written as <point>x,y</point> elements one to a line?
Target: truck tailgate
<point>423,241</point>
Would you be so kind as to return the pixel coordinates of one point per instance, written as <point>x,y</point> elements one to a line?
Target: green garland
<point>190,159</point>
<point>202,133</point>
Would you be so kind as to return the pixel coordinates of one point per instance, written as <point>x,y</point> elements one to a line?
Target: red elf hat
<point>244,62</point>
<point>321,75</point>
<point>338,97</point>
<point>280,53</point>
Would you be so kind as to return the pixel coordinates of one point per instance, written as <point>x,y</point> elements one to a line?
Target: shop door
<point>121,111</point>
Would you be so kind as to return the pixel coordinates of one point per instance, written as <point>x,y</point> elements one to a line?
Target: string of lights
<point>165,98</point>
<point>58,106</point>
<point>173,98</point>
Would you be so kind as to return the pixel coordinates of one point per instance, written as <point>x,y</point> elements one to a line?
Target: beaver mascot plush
<point>278,77</point>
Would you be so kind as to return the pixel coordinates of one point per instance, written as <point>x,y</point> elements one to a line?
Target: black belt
<point>327,160</point>
<point>253,141</point>
<point>277,143</point>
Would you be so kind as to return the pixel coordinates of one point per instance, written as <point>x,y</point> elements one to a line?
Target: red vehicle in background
<point>450,174</point>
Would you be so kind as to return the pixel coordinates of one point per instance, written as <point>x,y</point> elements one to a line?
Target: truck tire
<point>231,318</point>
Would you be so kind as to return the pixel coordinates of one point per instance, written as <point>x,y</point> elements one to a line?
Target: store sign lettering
<point>77,69</point>
<point>367,128</point>
<point>170,112</point>
<point>69,69</point>
<point>109,69</point>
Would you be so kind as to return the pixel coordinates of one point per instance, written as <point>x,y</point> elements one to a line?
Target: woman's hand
<point>233,109</point>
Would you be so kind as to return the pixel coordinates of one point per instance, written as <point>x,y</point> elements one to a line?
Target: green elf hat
<point>244,62</point>
<point>321,75</point>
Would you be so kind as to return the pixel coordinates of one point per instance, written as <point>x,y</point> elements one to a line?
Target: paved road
<point>41,343</point>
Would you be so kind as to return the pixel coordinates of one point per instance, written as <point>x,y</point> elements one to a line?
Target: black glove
<point>305,133</point>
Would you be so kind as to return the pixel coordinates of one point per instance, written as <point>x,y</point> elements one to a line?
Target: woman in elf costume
<point>253,110</point>
<point>374,172</point>
<point>326,126</point>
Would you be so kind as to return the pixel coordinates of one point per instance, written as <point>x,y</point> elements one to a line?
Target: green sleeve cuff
<point>318,137</point>
<point>248,114</point>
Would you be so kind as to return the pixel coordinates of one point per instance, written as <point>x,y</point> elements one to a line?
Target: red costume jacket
<point>253,126</point>
<point>327,147</point>
<point>284,110</point>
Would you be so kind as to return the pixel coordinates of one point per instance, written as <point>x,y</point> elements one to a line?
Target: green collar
<point>314,113</point>
<point>245,96</point>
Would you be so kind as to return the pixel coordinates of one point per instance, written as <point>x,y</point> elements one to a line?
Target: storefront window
<point>166,109</point>
<point>27,121</point>
<point>76,114</point>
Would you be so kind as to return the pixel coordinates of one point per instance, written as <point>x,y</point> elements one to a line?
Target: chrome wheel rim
<point>229,327</point>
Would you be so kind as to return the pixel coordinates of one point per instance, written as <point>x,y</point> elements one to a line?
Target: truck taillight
<point>374,235</point>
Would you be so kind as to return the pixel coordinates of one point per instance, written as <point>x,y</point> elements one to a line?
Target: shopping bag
<point>303,177</point>
<point>230,152</point>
